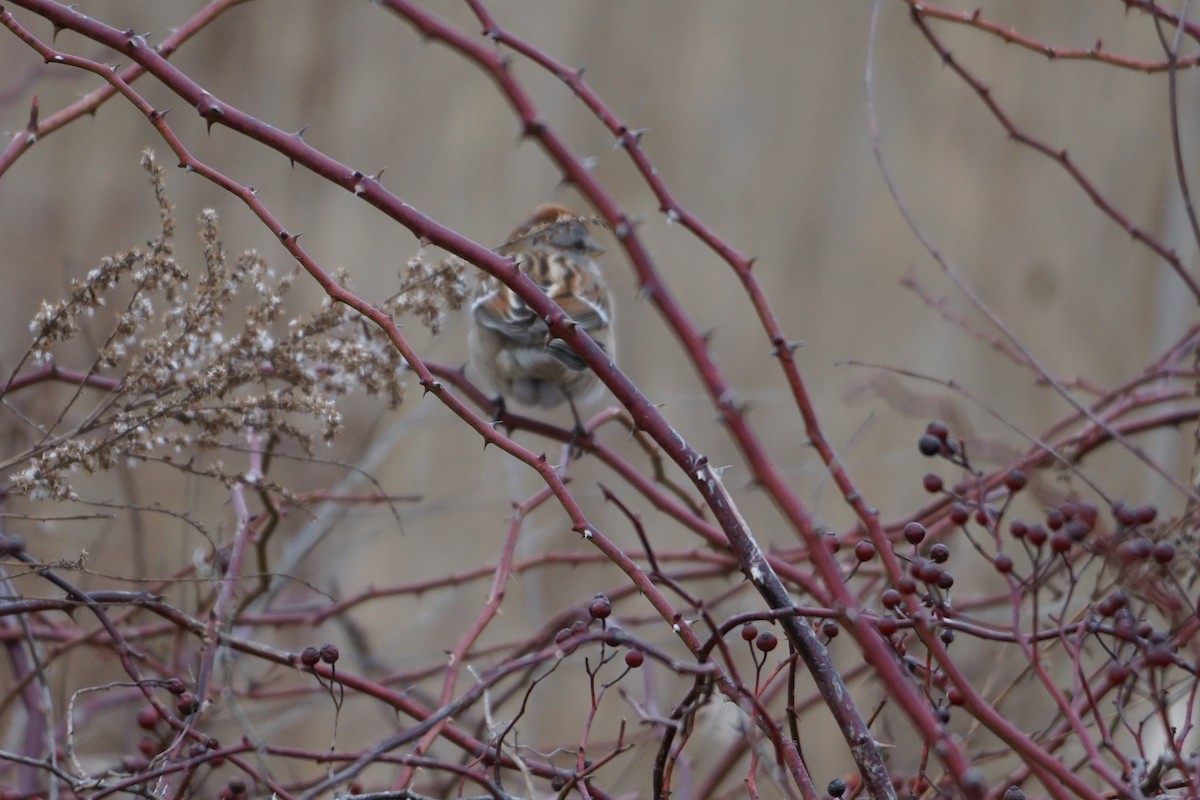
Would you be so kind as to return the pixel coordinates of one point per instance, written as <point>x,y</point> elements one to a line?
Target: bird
<point>510,344</point>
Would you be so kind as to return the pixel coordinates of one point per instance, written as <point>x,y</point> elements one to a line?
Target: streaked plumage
<point>510,344</point>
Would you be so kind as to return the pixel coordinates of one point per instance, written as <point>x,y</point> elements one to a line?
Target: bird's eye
<point>579,245</point>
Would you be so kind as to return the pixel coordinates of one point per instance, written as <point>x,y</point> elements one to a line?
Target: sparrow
<point>511,345</point>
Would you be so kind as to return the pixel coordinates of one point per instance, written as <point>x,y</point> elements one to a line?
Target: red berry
<point>147,747</point>
<point>634,658</point>
<point>1003,564</point>
<point>176,687</point>
<point>1111,604</point>
<point>1015,480</point>
<point>939,553</point>
<point>1158,656</point>
<point>749,632</point>
<point>890,598</point>
<point>1135,550</point>
<point>1118,672</point>
<point>1054,519</point>
<point>1146,514</point>
<point>864,550</point>
<point>906,585</point>
<point>932,483</point>
<point>888,625</point>
<point>959,514</point>
<point>147,718</point>
<point>954,696</point>
<point>766,641</point>
<point>914,533</point>
<point>829,628</point>
<point>945,580</point>
<point>1037,535</point>
<point>600,607</point>
<point>329,653</point>
<point>938,430</point>
<point>1060,542</point>
<point>1018,529</point>
<point>310,656</point>
<point>833,543</point>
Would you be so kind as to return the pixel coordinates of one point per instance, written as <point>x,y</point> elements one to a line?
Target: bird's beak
<point>596,249</point>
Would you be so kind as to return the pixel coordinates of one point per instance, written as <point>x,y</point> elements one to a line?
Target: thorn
<point>378,176</point>
<point>300,133</point>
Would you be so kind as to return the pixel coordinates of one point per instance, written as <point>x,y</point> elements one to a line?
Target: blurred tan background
<point>757,120</point>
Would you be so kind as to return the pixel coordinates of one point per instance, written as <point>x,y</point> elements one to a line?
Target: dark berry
<point>309,656</point>
<point>1013,793</point>
<point>945,580</point>
<point>600,607</point>
<point>888,625</point>
<point>1078,529</point>
<point>187,703</point>
<point>946,635</point>
<point>766,641</point>
<point>176,687</point>
<point>959,514</point>
<point>914,533</point>
<point>939,553</point>
<point>1146,514</point>
<point>1003,564</point>
<point>906,585</point>
<point>836,787</point>
<point>1125,515</point>
<point>890,598</point>
<point>829,628</point>
<point>1163,552</point>
<point>938,430</point>
<point>929,445</point>
<point>1015,480</point>
<point>330,654</point>
<point>864,551</point>
<point>1018,529</point>
<point>932,483</point>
